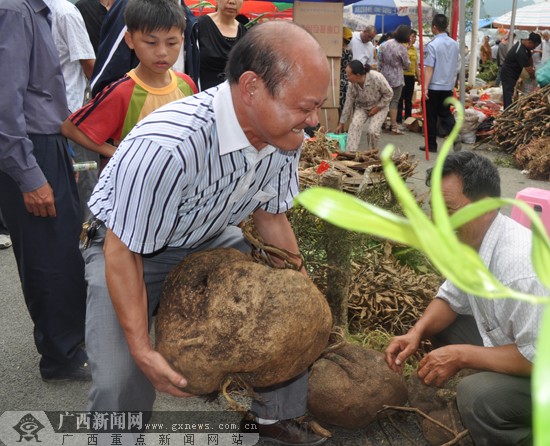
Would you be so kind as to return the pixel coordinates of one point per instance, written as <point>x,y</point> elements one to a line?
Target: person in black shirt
<point>518,58</point>
<point>218,33</point>
<point>93,12</point>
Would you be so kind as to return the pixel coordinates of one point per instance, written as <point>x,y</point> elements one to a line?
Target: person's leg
<point>49,263</point>
<point>462,331</point>
<point>496,409</point>
<point>445,117</point>
<point>508,86</point>
<point>118,384</point>
<point>408,93</point>
<point>400,106</point>
<point>283,401</point>
<point>431,118</point>
<point>374,127</point>
<point>393,109</point>
<point>498,79</point>
<point>356,129</point>
<point>5,240</point>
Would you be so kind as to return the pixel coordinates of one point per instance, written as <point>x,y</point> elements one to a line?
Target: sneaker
<point>5,241</point>
<point>286,432</point>
<point>81,373</point>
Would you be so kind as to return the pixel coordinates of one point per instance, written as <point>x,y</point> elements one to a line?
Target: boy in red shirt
<point>155,33</point>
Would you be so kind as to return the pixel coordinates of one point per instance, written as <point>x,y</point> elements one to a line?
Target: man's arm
<point>87,67</point>
<point>275,230</point>
<point>437,316</point>
<point>16,150</point>
<point>428,73</point>
<point>124,274</point>
<point>441,364</point>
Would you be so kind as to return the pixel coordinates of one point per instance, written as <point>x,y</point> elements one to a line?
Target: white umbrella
<point>530,17</point>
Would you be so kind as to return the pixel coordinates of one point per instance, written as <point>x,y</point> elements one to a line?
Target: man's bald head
<point>277,51</point>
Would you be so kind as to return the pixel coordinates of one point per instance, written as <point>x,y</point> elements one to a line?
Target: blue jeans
<point>118,383</point>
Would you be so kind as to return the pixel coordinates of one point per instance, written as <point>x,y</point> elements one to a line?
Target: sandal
<point>395,130</point>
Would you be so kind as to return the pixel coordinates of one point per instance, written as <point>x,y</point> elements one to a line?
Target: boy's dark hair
<point>440,22</point>
<point>480,177</point>
<point>403,33</point>
<point>151,15</point>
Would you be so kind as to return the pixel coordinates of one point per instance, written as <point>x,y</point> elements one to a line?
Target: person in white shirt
<point>545,48</point>
<point>495,336</point>
<point>362,47</point>
<point>77,58</point>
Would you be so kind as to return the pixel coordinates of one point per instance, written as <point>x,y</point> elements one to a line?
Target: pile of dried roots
<point>524,120</point>
<point>387,295</point>
<point>359,169</point>
<point>535,158</point>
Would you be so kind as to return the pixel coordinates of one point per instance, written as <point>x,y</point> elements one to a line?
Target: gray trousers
<point>118,384</point>
<point>496,408</point>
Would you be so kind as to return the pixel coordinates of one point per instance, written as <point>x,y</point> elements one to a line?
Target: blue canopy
<point>481,24</point>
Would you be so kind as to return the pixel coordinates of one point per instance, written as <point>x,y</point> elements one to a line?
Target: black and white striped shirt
<point>186,172</point>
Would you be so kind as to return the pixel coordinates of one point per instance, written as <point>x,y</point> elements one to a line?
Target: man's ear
<point>249,85</point>
<point>128,39</point>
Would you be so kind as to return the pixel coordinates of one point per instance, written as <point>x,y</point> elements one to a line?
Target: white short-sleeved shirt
<point>73,45</point>
<point>186,172</point>
<point>363,52</point>
<point>506,251</point>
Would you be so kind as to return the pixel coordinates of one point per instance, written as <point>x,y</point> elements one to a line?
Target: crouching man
<point>495,336</point>
<point>180,182</point>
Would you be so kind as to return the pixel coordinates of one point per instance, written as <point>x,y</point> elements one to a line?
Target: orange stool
<point>539,200</point>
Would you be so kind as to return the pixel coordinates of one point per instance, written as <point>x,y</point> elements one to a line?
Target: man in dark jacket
<point>518,58</point>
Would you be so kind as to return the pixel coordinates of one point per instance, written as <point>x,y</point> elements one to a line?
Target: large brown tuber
<point>349,385</point>
<point>222,315</point>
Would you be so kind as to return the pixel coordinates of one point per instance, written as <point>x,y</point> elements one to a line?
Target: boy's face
<point>156,50</point>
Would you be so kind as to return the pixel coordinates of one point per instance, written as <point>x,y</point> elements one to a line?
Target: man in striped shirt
<point>182,181</point>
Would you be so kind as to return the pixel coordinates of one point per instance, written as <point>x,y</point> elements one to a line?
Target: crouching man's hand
<point>439,365</point>
<point>163,377</point>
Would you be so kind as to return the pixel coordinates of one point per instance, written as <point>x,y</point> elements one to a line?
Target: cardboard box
<point>324,21</point>
<point>414,124</point>
<point>333,95</point>
<point>328,118</point>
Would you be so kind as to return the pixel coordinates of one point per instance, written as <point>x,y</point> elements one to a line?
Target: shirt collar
<point>490,239</point>
<point>37,5</point>
<point>230,134</point>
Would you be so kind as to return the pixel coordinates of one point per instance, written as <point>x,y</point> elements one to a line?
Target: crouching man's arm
<point>124,274</point>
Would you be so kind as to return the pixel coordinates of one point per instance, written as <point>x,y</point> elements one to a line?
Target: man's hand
<point>40,202</point>
<point>400,348</point>
<point>162,376</point>
<point>439,365</point>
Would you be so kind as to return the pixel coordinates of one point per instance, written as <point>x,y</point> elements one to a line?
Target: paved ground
<point>21,388</point>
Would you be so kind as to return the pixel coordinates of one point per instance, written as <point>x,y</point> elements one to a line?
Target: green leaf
<point>350,213</point>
